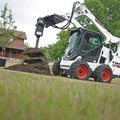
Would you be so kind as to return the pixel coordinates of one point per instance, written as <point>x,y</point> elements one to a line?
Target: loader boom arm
<point>77,10</point>
<point>83,10</point>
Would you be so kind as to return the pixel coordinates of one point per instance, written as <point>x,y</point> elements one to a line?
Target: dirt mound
<point>31,68</point>
<point>35,52</point>
<point>36,62</point>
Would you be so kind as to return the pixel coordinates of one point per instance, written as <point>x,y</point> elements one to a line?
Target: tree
<point>56,50</point>
<point>107,13</point>
<point>6,28</point>
<point>26,45</point>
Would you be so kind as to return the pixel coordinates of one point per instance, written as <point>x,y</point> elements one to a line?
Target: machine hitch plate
<point>53,19</point>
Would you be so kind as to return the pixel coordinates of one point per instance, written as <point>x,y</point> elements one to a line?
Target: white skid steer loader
<point>86,55</point>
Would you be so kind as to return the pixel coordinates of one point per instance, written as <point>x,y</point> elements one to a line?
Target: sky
<point>26,12</point>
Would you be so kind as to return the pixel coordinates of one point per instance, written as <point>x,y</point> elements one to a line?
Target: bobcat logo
<point>117,65</point>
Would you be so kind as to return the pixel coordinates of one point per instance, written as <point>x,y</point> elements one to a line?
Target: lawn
<point>25,96</point>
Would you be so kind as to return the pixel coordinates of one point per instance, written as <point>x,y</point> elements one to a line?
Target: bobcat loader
<point>86,54</point>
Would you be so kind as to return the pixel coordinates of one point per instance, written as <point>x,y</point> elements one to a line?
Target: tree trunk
<point>3,52</point>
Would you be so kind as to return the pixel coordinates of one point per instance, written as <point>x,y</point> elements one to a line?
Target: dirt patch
<point>31,68</point>
<point>36,62</point>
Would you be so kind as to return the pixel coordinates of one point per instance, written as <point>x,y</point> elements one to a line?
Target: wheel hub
<point>105,75</point>
<point>82,71</point>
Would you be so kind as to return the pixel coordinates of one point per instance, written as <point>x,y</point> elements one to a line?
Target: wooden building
<point>16,47</point>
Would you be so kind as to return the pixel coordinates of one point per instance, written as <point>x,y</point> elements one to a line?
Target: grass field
<point>25,96</point>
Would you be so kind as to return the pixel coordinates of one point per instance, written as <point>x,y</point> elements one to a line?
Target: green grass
<point>25,96</point>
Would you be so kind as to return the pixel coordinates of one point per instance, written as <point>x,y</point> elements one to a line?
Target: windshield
<point>89,42</point>
<point>83,43</point>
<point>73,44</point>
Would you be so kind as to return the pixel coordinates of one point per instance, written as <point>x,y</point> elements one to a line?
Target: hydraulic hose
<point>68,23</point>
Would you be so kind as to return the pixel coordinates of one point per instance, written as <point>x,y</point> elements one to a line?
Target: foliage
<point>107,12</point>
<point>25,96</point>
<point>26,45</point>
<point>56,50</point>
<point>6,27</point>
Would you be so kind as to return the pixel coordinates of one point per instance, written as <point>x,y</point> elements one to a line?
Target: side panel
<point>65,64</point>
<point>93,65</point>
<point>115,64</point>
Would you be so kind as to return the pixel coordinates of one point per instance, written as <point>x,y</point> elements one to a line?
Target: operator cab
<point>84,43</point>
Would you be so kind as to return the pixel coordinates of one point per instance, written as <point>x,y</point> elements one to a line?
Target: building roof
<point>17,48</point>
<point>20,34</point>
<point>17,34</point>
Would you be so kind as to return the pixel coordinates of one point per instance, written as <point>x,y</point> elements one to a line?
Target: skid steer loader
<point>86,55</point>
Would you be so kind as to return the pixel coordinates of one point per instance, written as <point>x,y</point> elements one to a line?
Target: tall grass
<point>25,96</point>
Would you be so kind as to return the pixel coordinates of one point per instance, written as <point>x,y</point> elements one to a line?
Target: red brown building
<point>16,47</point>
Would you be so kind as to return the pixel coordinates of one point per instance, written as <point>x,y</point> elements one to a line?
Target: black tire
<point>56,68</point>
<point>103,73</point>
<point>80,70</point>
<point>94,74</point>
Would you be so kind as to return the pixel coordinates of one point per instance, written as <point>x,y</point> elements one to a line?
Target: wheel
<point>103,73</point>
<point>56,68</point>
<point>80,70</point>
